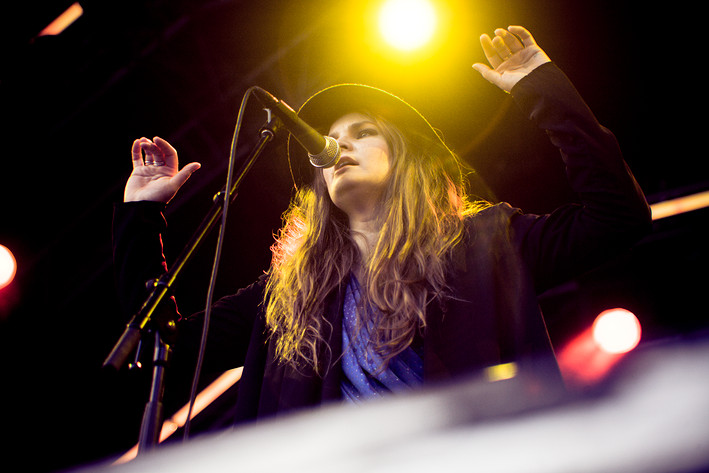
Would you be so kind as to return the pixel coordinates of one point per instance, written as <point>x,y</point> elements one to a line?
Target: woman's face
<point>359,178</point>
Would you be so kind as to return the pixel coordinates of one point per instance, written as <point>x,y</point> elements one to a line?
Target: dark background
<point>72,105</point>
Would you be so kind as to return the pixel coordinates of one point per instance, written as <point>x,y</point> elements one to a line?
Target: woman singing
<point>387,275</point>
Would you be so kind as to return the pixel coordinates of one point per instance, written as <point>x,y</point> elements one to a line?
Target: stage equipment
<point>323,151</point>
<point>150,320</point>
<point>650,416</point>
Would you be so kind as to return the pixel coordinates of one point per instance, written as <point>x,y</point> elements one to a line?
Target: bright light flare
<point>407,24</point>
<point>218,387</point>
<point>592,354</point>
<point>617,331</point>
<point>680,205</point>
<point>501,372</point>
<point>63,21</point>
<point>8,266</point>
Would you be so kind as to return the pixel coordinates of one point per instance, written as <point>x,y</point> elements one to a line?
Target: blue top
<point>364,377</point>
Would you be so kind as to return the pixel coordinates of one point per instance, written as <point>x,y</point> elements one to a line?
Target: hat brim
<point>331,103</point>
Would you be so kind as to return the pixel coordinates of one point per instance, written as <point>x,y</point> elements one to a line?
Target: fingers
<point>169,154</point>
<point>524,36</point>
<point>490,51</point>
<point>155,152</point>
<point>137,153</point>
<point>499,48</point>
<point>485,71</point>
<point>185,173</point>
<point>505,44</point>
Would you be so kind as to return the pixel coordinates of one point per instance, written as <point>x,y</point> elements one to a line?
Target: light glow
<point>407,24</point>
<point>501,372</point>
<point>616,331</point>
<point>583,363</point>
<point>8,266</point>
<point>179,419</point>
<point>589,357</point>
<point>680,205</point>
<point>63,21</point>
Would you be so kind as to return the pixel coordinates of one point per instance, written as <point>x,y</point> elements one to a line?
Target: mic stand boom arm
<point>149,319</point>
<point>162,286</point>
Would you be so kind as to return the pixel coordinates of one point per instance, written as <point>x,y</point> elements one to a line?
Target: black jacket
<point>506,259</point>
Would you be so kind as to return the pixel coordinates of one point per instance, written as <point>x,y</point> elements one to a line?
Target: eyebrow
<point>355,126</point>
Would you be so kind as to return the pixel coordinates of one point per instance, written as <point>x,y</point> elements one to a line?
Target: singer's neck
<point>365,231</point>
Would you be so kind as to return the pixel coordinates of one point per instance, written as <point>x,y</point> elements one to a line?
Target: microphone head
<point>328,156</point>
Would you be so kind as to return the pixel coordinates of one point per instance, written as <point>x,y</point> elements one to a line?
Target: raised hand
<point>156,175</point>
<point>512,54</point>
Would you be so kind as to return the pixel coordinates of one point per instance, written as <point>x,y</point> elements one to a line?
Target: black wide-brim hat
<point>331,103</point>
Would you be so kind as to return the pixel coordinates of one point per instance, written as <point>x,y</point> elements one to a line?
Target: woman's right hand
<point>156,175</point>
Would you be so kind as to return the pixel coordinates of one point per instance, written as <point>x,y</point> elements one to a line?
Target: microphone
<point>323,151</point>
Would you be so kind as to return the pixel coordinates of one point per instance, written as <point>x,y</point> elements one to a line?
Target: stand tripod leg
<point>153,415</point>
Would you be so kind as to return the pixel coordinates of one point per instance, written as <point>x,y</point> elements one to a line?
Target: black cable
<point>215,266</point>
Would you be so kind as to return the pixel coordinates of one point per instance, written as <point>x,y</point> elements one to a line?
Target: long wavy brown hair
<point>422,220</point>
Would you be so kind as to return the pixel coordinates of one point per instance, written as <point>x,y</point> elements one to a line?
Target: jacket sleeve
<point>137,251</point>
<point>612,212</point>
<point>138,258</point>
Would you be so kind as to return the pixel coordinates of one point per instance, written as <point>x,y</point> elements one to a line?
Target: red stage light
<point>588,358</point>
<point>8,266</point>
<point>616,331</point>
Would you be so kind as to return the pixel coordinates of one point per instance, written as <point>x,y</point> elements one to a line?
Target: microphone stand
<point>164,327</point>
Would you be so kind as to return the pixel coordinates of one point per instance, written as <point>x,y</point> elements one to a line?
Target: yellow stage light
<point>407,24</point>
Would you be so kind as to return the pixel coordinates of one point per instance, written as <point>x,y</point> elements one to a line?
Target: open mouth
<point>343,162</point>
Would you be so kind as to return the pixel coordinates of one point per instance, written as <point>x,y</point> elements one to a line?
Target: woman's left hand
<point>512,54</point>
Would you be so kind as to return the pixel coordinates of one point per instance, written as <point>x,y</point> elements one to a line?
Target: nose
<point>344,142</point>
